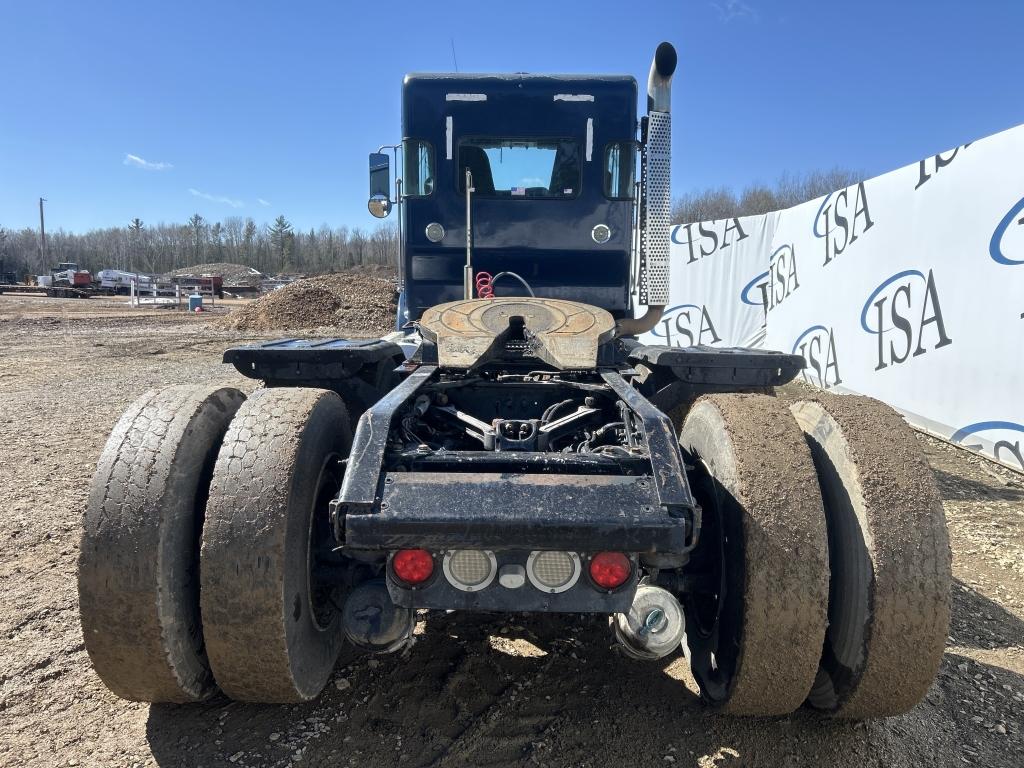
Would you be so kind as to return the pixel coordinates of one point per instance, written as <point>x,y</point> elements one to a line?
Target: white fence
<point>908,287</point>
<point>154,293</point>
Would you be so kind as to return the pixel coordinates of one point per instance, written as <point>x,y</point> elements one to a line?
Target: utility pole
<point>42,234</point>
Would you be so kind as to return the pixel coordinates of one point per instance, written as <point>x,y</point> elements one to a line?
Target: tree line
<point>273,248</point>
<point>789,190</point>
<point>279,248</point>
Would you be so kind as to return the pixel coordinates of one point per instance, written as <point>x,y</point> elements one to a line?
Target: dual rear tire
<point>207,504</point>
<point>138,568</point>
<point>272,626</point>
<point>823,541</point>
<point>835,576</point>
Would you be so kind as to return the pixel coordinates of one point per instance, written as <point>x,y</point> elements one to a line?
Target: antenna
<point>454,60</point>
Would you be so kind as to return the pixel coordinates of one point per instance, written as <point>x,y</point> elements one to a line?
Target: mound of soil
<point>353,303</point>
<point>233,274</point>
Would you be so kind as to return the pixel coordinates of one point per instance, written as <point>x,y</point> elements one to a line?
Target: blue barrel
<point>195,301</point>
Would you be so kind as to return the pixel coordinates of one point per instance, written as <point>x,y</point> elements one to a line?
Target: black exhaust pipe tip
<point>665,59</point>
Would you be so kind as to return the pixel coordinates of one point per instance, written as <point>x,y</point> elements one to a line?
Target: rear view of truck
<point>513,447</point>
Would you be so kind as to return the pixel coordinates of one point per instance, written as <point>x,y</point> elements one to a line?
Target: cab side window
<point>618,170</point>
<point>419,168</point>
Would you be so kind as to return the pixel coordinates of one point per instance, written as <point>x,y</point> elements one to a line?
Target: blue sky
<point>255,109</point>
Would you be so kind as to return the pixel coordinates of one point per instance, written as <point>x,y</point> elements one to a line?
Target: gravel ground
<point>474,690</point>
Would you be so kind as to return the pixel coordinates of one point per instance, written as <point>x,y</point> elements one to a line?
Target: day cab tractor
<point>512,447</point>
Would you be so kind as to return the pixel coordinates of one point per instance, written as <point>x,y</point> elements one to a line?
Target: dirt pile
<point>233,274</point>
<point>352,303</point>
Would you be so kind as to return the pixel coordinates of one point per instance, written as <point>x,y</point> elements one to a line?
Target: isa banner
<point>717,283</point>
<point>908,287</point>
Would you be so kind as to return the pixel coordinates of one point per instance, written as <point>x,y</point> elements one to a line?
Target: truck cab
<point>552,199</point>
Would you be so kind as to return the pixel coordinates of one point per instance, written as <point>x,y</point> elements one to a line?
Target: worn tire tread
<point>137,592</point>
<point>248,544</point>
<point>903,532</point>
<point>759,455</point>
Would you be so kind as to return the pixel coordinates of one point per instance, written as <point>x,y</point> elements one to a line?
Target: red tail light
<point>610,569</point>
<point>412,566</point>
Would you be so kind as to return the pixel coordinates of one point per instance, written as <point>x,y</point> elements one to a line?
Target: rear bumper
<point>462,510</point>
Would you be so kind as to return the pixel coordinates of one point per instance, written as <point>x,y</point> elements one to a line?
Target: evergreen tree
<point>282,240</point>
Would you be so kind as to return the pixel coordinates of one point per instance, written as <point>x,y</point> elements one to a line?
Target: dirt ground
<point>474,690</point>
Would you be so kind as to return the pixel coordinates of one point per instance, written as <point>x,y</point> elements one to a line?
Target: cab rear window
<point>520,168</point>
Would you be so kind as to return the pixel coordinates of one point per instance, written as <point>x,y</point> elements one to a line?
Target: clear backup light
<point>553,571</point>
<point>469,569</point>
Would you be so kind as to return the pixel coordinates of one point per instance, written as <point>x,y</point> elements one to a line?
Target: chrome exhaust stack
<point>659,80</point>
<point>655,195</point>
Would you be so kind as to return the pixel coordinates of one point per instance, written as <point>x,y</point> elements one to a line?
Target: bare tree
<point>757,198</point>
<point>165,247</point>
<point>233,238</point>
<point>198,226</point>
<point>706,205</point>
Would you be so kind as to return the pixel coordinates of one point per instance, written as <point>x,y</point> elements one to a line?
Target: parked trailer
<point>52,291</point>
<point>65,281</point>
<point>118,281</point>
<point>514,447</point>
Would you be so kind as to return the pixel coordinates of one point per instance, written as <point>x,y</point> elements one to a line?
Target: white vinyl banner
<point>908,287</point>
<point>715,282</point>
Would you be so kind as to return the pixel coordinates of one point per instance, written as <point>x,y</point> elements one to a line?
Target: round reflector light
<point>412,566</point>
<point>553,571</point>
<point>610,569</point>
<point>435,232</point>
<point>470,569</point>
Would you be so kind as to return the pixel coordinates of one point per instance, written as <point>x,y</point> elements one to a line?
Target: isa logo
<point>771,288</point>
<point>841,219</point>
<point>904,313</point>
<point>755,293</point>
<point>687,325</point>
<point>710,236</point>
<point>1004,436</point>
<point>1007,244</point>
<point>817,346</point>
<point>930,166</point>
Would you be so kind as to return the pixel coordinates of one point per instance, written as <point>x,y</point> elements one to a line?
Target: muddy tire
<point>272,633</point>
<point>138,583</point>
<point>890,558</point>
<point>754,645</point>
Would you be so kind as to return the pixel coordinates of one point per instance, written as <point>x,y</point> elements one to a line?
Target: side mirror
<point>380,185</point>
<point>379,206</point>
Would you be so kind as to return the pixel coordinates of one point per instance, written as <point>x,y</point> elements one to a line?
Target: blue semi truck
<point>514,447</point>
